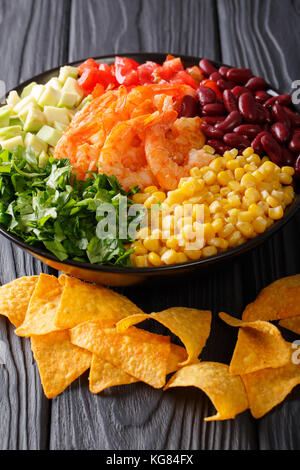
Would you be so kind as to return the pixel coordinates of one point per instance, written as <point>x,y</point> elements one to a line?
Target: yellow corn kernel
<point>151,201</point>
<point>188,232</point>
<point>224,177</point>
<point>215,188</point>
<point>258,175</point>
<point>265,159</point>
<point>248,180</point>
<point>193,254</point>
<point>160,195</point>
<point>233,215</point>
<point>285,178</point>
<point>218,224</point>
<point>234,200</point>
<point>234,185</point>
<point>175,197</point>
<point>139,248</point>
<point>234,238</point>
<point>254,159</point>
<point>141,261</point>
<point>272,201</point>
<point>264,206</point>
<point>209,149</point>
<point>267,168</point>
<point>181,257</point>
<point>143,233</point>
<point>275,213</point>
<point>287,198</point>
<point>195,172</point>
<point>140,198</point>
<point>209,251</point>
<point>154,259</point>
<point>252,195</point>
<point>169,257</point>
<point>217,164</point>
<point>162,250</point>
<point>214,207</point>
<point>227,230</point>
<point>239,173</point>
<point>255,210</point>
<point>208,231</point>
<point>225,191</point>
<point>289,170</point>
<point>220,243</point>
<point>210,177</point>
<point>172,242</point>
<point>241,159</point>
<point>245,216</point>
<point>232,165</point>
<point>259,224</point>
<point>150,189</point>
<point>277,194</point>
<point>250,167</point>
<point>151,244</point>
<point>192,186</point>
<point>248,152</point>
<point>245,228</point>
<point>230,154</point>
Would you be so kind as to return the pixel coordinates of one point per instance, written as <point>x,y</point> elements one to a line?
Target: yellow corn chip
<point>192,327</point>
<point>259,345</point>
<point>83,302</point>
<point>41,312</point>
<point>225,390</point>
<point>103,374</point>
<point>15,297</point>
<point>59,361</point>
<point>292,324</point>
<point>141,354</point>
<point>267,388</point>
<point>281,299</point>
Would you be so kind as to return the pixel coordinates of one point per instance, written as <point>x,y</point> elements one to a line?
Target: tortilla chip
<point>103,374</point>
<point>268,387</point>
<point>292,324</point>
<point>281,299</point>
<point>82,302</point>
<point>141,354</point>
<point>41,312</point>
<point>259,345</point>
<point>225,390</point>
<point>192,327</point>
<point>15,297</point>
<point>59,361</point>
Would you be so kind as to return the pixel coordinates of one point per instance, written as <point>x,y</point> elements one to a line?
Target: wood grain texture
<point>29,44</point>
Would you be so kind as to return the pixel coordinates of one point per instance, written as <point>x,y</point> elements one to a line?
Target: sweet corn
<point>154,259</point>
<point>151,244</point>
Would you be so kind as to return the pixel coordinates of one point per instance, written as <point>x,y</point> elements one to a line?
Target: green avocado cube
<point>5,112</point>
<point>10,144</point>
<point>27,90</point>
<point>71,86</point>
<point>43,159</point>
<point>49,135</point>
<point>68,100</point>
<point>54,83</point>
<point>9,132</point>
<point>13,98</point>
<point>34,121</point>
<point>66,72</point>
<point>35,143</point>
<point>54,114</point>
<point>36,91</point>
<point>28,100</point>
<point>49,97</point>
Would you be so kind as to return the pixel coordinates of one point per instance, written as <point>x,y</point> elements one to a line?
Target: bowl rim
<point>223,256</point>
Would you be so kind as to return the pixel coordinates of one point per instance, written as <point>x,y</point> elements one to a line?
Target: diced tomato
<point>211,84</point>
<point>87,64</point>
<point>126,71</point>
<point>145,72</point>
<point>108,74</point>
<point>170,68</point>
<point>184,78</point>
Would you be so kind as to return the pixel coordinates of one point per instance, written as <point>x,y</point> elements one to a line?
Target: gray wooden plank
<point>263,35</point>
<point>33,37</point>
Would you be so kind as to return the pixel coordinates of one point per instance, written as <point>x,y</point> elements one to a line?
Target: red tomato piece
<point>170,67</point>
<point>87,64</point>
<point>126,71</point>
<point>211,84</point>
<point>145,72</point>
<point>184,78</point>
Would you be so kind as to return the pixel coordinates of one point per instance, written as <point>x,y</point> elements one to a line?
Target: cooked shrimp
<point>123,155</point>
<point>174,146</point>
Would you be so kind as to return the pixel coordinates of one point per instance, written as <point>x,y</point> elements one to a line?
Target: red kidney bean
<point>213,109</point>
<point>284,100</point>
<point>288,157</point>
<point>247,107</point>
<point>249,130</point>
<point>236,140</point>
<point>189,107</point>
<point>223,71</point>
<point>239,75</point>
<point>280,132</point>
<point>280,115</point>
<point>268,103</point>
<point>256,143</point>
<point>297,167</point>
<point>261,96</point>
<point>218,145</point>
<point>262,114</point>
<point>268,115</point>
<point>212,120</point>
<point>239,90</point>
<point>211,131</point>
<point>272,148</point>
<point>256,83</point>
<point>207,67</point>
<point>233,120</point>
<point>225,84</point>
<point>206,95</point>
<point>230,101</point>
<point>295,118</point>
<point>215,76</point>
<point>294,144</point>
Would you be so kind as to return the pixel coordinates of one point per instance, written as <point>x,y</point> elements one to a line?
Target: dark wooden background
<point>36,35</point>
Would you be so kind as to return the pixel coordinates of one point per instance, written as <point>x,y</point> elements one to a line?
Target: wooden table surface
<point>36,35</point>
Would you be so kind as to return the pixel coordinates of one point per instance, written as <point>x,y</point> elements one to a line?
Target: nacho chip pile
<point>75,326</point>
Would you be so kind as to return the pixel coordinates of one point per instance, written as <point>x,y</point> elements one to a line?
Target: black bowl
<point>124,276</point>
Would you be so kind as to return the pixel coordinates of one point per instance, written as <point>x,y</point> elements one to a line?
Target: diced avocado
<point>49,134</point>
<point>85,101</point>
<point>54,83</point>
<point>66,72</point>
<point>34,121</point>
<point>53,115</point>
<point>15,121</point>
<point>10,144</point>
<point>9,132</point>
<point>49,97</point>
<point>13,98</point>
<point>36,91</point>
<point>27,90</point>
<point>68,99</point>
<point>23,103</point>
<point>37,144</point>
<point>59,126</point>
<point>43,159</point>
<point>71,86</point>
<point>5,112</point>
